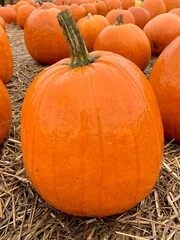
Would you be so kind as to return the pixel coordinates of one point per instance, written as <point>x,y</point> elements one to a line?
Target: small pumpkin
<point>165,80</point>
<point>6,59</point>
<point>94,128</point>
<point>5,112</point>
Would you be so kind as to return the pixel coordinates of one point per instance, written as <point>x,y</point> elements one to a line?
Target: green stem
<point>78,50</point>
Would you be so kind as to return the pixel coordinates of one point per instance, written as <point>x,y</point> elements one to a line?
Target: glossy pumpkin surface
<point>165,80</point>
<point>92,133</point>
<point>5,112</point>
<point>90,126</point>
<point>6,58</point>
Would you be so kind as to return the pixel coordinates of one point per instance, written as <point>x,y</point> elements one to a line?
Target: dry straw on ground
<point>25,216</point>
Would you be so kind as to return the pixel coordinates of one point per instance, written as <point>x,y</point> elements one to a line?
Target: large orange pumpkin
<point>5,112</point>
<point>90,127</point>
<point>6,58</point>
<point>165,80</point>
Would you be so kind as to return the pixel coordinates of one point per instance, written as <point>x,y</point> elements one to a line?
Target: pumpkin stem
<point>119,20</point>
<point>78,50</point>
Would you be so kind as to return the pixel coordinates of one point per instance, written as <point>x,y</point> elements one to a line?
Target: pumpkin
<point>90,8</point>
<point>90,26</point>
<point>23,13</point>
<point>8,14</point>
<point>5,112</point>
<point>126,4</point>
<point>161,30</point>
<point>6,59</point>
<point>113,4</point>
<point>19,4</point>
<point>170,4</point>
<point>127,40</point>
<point>44,39</point>
<point>154,7</point>
<point>77,11</point>
<point>165,80</point>
<point>141,15</point>
<point>101,7</point>
<point>94,128</point>
<point>127,16</point>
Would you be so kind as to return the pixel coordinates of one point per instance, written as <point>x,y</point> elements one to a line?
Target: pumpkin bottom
<point>99,207</point>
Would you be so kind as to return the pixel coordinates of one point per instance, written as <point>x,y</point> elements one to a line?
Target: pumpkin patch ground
<point>25,215</point>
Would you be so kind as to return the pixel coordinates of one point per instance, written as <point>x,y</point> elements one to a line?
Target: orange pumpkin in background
<point>127,16</point>
<point>8,14</point>
<point>126,4</point>
<point>5,112</point>
<point>44,39</point>
<point>154,7</point>
<point>6,58</point>
<point>23,13</point>
<point>90,26</point>
<point>162,30</point>
<point>127,40</point>
<point>170,4</point>
<point>141,15</point>
<point>90,126</point>
<point>165,80</point>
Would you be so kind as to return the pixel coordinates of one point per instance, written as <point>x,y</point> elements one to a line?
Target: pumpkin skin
<point>6,59</point>
<point>3,23</point>
<point>44,39</point>
<point>120,39</point>
<point>161,30</point>
<point>165,80</point>
<point>92,133</point>
<point>5,112</point>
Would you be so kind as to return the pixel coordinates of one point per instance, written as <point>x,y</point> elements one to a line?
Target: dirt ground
<point>25,216</point>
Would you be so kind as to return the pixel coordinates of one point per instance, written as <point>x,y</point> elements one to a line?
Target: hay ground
<point>25,216</point>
